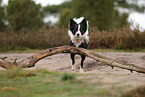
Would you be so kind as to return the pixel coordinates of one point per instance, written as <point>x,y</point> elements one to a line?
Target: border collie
<point>78,33</point>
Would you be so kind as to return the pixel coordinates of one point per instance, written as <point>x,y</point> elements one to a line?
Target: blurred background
<point>40,24</point>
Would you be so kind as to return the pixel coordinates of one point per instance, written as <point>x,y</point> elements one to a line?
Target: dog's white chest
<point>78,42</point>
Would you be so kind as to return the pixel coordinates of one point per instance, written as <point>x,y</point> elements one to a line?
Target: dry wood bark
<point>31,61</point>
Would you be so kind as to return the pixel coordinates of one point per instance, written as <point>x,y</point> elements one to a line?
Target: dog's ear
<point>84,23</point>
<point>83,26</point>
<point>72,23</point>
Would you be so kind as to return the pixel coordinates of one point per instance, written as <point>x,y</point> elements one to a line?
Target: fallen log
<point>31,61</point>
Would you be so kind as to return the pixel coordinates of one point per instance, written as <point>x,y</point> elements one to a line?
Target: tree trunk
<point>31,61</point>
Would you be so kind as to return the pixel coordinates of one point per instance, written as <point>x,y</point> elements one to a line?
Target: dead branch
<point>31,61</point>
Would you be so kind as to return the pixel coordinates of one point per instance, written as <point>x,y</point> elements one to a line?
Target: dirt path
<point>96,70</point>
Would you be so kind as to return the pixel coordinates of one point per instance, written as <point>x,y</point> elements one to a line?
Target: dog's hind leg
<point>73,60</point>
<point>82,61</point>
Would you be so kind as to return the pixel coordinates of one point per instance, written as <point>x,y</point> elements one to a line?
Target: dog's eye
<point>83,29</point>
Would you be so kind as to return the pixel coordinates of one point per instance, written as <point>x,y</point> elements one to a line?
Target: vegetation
<point>22,14</point>
<point>117,38</point>
<point>25,29</point>
<point>2,26</point>
<point>42,83</point>
<point>120,38</point>
<point>100,11</point>
<point>33,39</point>
<point>135,92</point>
<point>57,8</point>
<point>133,6</point>
<point>22,27</point>
<point>66,77</point>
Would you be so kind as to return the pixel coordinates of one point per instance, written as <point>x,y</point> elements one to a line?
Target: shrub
<point>34,39</point>
<point>135,92</point>
<point>66,77</point>
<point>17,73</point>
<point>117,38</point>
<point>120,38</point>
<point>100,39</point>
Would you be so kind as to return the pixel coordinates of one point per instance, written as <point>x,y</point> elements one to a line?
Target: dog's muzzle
<point>78,35</point>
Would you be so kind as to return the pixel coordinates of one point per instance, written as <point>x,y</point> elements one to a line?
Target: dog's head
<point>78,27</point>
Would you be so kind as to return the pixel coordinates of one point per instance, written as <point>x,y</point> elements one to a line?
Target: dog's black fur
<point>78,32</point>
<point>82,45</point>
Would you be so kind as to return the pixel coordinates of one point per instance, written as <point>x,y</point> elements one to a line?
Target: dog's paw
<point>73,67</point>
<point>81,70</point>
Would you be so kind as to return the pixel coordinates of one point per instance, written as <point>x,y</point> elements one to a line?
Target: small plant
<point>135,92</point>
<point>8,89</point>
<point>67,76</point>
<point>16,73</point>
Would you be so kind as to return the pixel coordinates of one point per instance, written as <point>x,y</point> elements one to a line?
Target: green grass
<point>44,83</point>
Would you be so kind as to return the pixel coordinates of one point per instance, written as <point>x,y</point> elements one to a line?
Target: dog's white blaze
<point>78,32</point>
<point>78,20</point>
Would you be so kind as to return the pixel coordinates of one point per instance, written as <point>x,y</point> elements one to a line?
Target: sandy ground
<point>96,70</point>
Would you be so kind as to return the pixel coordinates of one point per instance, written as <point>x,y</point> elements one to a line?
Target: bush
<point>135,92</point>
<point>119,38</point>
<point>66,77</point>
<point>34,39</point>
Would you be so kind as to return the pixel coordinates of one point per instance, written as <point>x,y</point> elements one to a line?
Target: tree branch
<point>31,61</point>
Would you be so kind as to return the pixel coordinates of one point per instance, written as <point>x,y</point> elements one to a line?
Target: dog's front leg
<point>82,61</point>
<point>73,61</point>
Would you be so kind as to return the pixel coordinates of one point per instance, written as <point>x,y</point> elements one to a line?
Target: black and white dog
<point>78,33</point>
